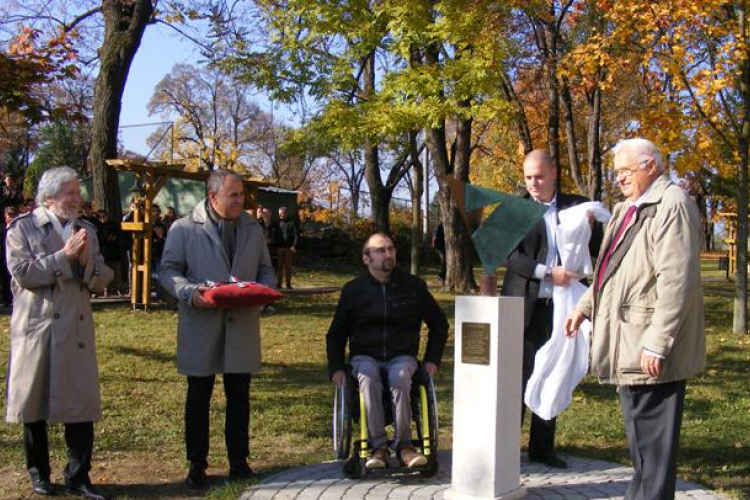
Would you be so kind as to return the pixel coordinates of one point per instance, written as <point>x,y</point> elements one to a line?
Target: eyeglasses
<point>630,169</point>
<point>381,250</point>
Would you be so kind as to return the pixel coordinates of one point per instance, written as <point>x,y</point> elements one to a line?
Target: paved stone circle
<point>583,480</point>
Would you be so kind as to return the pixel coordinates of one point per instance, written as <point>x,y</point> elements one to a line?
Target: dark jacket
<point>384,320</point>
<point>519,277</point>
<point>286,234</point>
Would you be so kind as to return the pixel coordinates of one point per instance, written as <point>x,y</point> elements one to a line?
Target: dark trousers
<point>6,279</point>
<point>236,419</point>
<point>542,432</point>
<point>79,438</point>
<point>443,264</point>
<point>284,266</point>
<point>653,417</point>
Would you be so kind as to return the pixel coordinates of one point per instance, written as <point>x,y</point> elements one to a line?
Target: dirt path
<point>131,478</point>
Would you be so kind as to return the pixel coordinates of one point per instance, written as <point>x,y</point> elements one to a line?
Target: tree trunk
<point>458,245</point>
<point>519,115</point>
<point>553,97</point>
<point>593,146</point>
<point>354,206</point>
<point>416,204</point>
<point>379,203</point>
<point>740,298</point>
<point>124,24</point>
<point>379,199</point>
<point>570,136</point>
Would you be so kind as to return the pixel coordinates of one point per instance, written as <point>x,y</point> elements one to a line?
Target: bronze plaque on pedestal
<point>475,343</point>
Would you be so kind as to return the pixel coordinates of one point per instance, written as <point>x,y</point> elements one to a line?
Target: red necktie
<point>615,239</point>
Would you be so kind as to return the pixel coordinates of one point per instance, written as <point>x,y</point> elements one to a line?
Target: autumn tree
<point>692,57</point>
<point>29,65</point>
<point>61,142</point>
<point>382,70</point>
<point>216,121</point>
<point>118,25</point>
<point>124,24</point>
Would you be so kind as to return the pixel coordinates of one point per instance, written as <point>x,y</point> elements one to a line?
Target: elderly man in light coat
<point>646,306</point>
<point>217,242</point>
<point>55,264</point>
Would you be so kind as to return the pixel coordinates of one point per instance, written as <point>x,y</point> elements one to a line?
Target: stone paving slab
<point>582,480</point>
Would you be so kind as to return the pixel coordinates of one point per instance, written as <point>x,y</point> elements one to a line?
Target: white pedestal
<point>487,399</point>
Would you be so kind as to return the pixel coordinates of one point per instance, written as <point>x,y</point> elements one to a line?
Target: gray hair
<point>51,183</point>
<point>217,177</point>
<point>642,149</point>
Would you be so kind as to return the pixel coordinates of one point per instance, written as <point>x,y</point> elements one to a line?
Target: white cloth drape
<point>562,362</point>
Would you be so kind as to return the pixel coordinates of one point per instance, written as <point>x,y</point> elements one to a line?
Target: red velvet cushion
<point>243,294</point>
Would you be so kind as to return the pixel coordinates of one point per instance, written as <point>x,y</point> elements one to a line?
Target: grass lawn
<point>139,450</point>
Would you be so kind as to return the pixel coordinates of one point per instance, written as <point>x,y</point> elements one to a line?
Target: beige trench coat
<point>212,341</point>
<point>52,374</point>
<point>651,296</point>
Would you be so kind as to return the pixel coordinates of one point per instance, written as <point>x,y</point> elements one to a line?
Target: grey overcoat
<point>52,373</point>
<point>212,341</point>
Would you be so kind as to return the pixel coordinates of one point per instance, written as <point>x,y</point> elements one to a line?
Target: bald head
<point>538,156</point>
<point>539,175</point>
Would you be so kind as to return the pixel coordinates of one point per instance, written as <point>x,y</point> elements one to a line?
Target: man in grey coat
<point>646,306</point>
<point>54,261</point>
<point>217,242</point>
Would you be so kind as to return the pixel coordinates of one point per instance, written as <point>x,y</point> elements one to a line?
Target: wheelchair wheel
<point>353,468</point>
<point>342,424</point>
<point>427,426</point>
<point>431,468</point>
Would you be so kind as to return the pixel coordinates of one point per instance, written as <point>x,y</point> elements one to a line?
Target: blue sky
<point>161,48</point>
<point>159,51</point>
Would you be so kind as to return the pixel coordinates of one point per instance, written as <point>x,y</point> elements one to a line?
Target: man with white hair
<point>218,241</point>
<point>55,264</point>
<point>646,306</point>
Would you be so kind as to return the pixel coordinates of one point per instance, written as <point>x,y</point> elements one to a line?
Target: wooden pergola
<point>151,176</point>
<point>731,241</point>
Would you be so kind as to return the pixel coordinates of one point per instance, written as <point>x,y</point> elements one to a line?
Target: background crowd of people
<point>281,234</point>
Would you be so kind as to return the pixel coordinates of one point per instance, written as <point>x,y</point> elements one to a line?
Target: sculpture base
<point>516,494</point>
<point>488,285</point>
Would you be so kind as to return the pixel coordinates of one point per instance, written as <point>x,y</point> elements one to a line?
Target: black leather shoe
<point>242,471</point>
<point>86,490</point>
<point>42,487</point>
<point>550,459</point>
<point>196,478</point>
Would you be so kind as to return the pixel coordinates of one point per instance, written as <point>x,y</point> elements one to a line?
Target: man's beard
<point>68,214</point>
<point>388,265</point>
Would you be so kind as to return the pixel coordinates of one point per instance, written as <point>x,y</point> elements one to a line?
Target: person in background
<point>438,244</point>
<point>109,238</point>
<point>88,214</point>
<point>10,193</point>
<point>55,264</point>
<point>29,205</point>
<point>169,217</point>
<point>9,213</point>
<point>286,245</point>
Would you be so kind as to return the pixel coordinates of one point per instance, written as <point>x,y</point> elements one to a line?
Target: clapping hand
<point>75,247</point>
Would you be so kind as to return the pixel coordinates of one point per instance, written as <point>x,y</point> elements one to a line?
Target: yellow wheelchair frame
<point>349,409</point>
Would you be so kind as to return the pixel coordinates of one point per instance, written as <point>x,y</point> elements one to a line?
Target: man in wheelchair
<point>380,314</point>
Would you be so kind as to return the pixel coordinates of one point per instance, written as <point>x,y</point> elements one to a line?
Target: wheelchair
<point>349,412</point>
